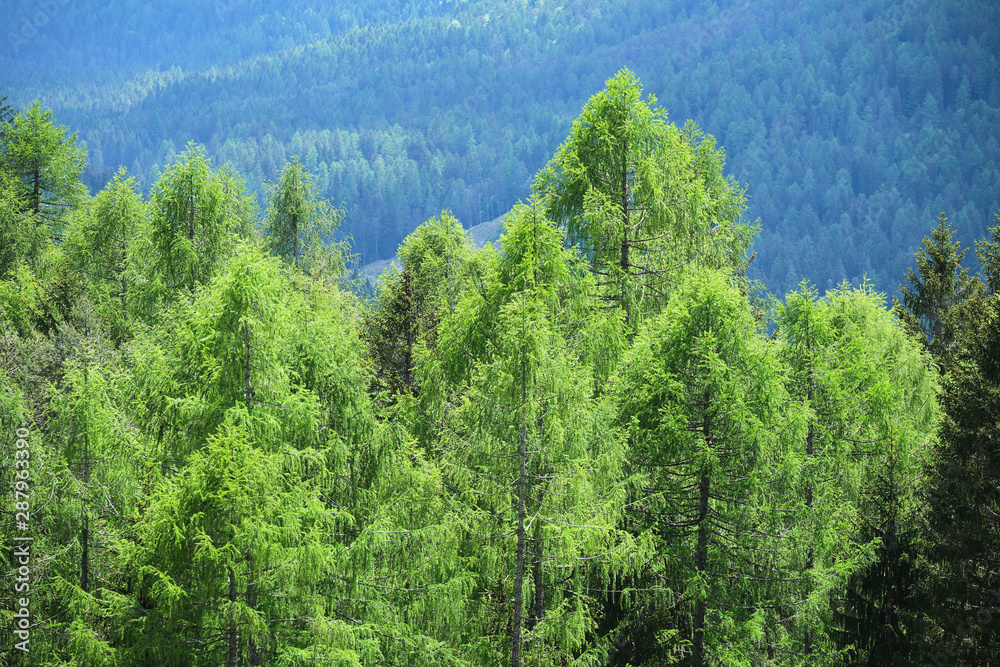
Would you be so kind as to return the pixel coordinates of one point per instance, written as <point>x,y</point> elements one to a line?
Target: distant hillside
<point>853,125</point>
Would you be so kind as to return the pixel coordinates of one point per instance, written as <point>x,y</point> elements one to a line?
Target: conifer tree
<point>932,302</point>
<point>7,114</point>
<point>848,362</point>
<point>698,400</point>
<point>436,260</point>
<point>641,198</point>
<point>46,163</point>
<point>525,463</point>
<point>299,224</point>
<point>97,501</point>
<point>19,238</point>
<point>894,422</point>
<point>196,216</point>
<point>103,243</point>
<point>988,253</point>
<point>960,533</point>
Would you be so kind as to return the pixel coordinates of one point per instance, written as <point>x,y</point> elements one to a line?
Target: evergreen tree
<point>641,198</point>
<point>932,302</point>
<point>299,224</point>
<point>988,253</point>
<point>436,259</point>
<point>46,163</point>
<point>698,400</point>
<point>961,538</point>
<point>7,114</point>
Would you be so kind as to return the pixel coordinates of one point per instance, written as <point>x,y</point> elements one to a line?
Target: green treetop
<point>931,307</point>
<point>642,198</point>
<point>196,214</point>
<point>298,222</point>
<point>46,163</point>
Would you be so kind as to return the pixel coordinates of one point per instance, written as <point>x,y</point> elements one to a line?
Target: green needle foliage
<point>103,243</point>
<point>932,301</point>
<point>641,198</point>
<point>866,398</point>
<point>699,400</point>
<point>46,163</point>
<point>299,225</point>
<point>960,530</point>
<point>529,468</point>
<point>197,215</point>
<point>579,448</point>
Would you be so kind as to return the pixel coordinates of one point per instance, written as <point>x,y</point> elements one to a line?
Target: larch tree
<point>836,349</point>
<point>46,163</point>
<point>698,401</point>
<point>19,237</point>
<point>894,419</point>
<point>299,224</point>
<point>97,500</point>
<point>641,198</point>
<point>102,241</point>
<point>527,466</point>
<point>196,216</point>
<point>436,261</point>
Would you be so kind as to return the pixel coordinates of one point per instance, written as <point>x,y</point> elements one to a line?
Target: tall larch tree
<point>299,224</point>
<point>641,198</point>
<point>46,162</point>
<point>698,402</point>
<point>196,216</point>
<point>103,244</point>
<point>528,467</point>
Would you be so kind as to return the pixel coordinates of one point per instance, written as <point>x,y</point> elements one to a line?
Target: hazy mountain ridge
<point>853,127</point>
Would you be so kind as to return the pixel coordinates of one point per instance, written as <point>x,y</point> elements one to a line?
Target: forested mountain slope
<point>852,125</point>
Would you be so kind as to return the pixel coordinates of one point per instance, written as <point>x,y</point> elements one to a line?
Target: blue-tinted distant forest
<point>853,125</point>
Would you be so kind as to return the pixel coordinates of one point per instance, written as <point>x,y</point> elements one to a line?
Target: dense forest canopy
<point>853,126</point>
<point>599,440</point>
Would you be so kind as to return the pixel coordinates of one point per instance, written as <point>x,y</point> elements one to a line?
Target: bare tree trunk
<point>701,552</point>
<point>234,635</point>
<point>516,640</point>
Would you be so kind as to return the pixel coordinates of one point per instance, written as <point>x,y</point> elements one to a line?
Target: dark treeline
<point>601,443</point>
<point>854,125</point>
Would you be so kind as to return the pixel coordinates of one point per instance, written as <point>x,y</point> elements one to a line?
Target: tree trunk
<point>36,195</point>
<point>623,259</point>
<point>233,659</point>
<point>247,385</point>
<point>536,575</point>
<point>254,650</point>
<point>516,640</point>
<point>85,530</point>
<point>701,552</point>
<point>809,454</point>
